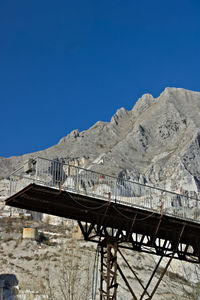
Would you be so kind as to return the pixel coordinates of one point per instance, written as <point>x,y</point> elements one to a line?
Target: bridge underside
<point>101,220</point>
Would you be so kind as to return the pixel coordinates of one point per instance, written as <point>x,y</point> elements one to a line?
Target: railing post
<point>77,179</point>
<point>150,199</point>
<point>10,185</point>
<point>115,190</point>
<point>36,168</point>
<point>184,206</point>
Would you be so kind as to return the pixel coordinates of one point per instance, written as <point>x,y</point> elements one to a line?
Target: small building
<point>30,233</point>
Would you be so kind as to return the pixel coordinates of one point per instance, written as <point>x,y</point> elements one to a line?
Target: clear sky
<point>66,64</point>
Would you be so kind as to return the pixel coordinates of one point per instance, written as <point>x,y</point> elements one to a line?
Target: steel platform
<point>132,227</point>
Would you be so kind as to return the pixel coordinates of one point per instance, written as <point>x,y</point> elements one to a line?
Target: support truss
<point>152,244</point>
<point>110,267</point>
<point>112,242</point>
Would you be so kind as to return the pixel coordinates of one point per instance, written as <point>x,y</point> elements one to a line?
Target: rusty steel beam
<point>132,224</point>
<point>151,278</point>
<point>134,273</point>
<point>126,282</point>
<point>108,281</point>
<point>155,234</point>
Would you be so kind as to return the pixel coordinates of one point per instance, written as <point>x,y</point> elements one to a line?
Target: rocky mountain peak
<point>120,114</point>
<point>72,135</point>
<point>143,104</point>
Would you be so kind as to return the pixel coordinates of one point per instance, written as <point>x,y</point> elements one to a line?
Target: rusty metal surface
<point>109,285</point>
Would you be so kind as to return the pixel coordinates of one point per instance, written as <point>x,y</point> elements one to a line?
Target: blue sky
<point>67,64</point>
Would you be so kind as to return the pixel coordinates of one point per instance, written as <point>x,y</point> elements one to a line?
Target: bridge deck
<point>101,213</point>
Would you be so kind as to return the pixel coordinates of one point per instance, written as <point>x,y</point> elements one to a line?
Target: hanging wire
<point>84,206</point>
<point>106,204</point>
<point>93,274</point>
<point>117,210</point>
<point>97,272</point>
<point>96,259</point>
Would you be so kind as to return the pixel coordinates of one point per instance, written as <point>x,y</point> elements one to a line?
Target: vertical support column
<point>108,283</point>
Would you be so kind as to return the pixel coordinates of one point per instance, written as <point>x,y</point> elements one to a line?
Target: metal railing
<point>54,174</point>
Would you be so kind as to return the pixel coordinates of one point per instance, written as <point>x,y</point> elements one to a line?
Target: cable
<point>102,220</point>
<point>117,210</point>
<point>96,273</point>
<point>107,205</point>
<point>94,266</point>
<point>89,208</point>
<point>96,260</point>
<point>149,216</point>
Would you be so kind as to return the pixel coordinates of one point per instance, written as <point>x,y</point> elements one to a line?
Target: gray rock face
<point>158,140</point>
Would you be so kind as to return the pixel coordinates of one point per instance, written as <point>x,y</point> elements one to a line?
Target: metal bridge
<point>115,213</point>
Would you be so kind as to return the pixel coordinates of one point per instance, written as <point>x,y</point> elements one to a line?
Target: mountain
<point>158,142</point>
